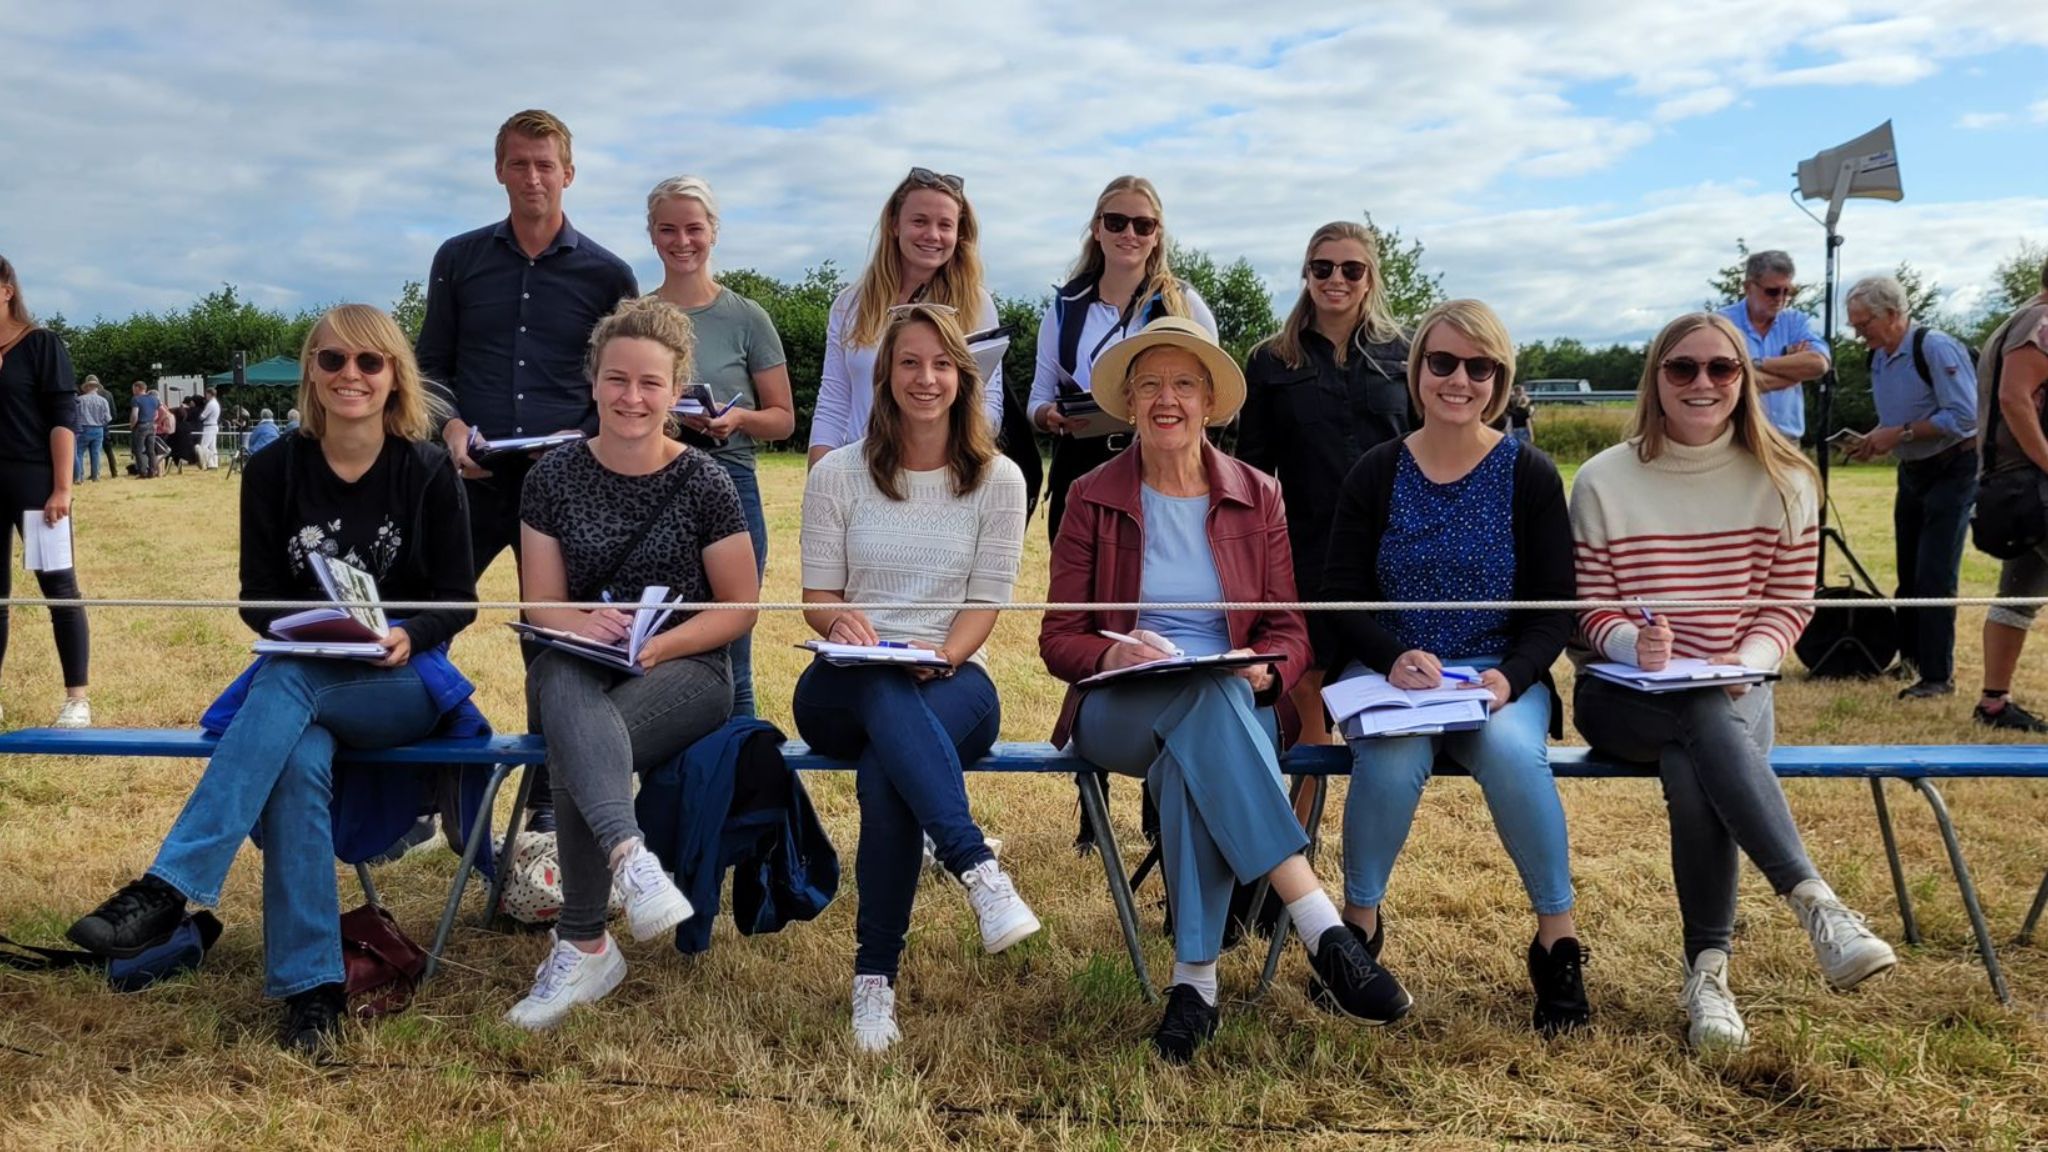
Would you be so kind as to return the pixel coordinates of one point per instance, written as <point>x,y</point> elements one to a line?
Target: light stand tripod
<point>1824,400</point>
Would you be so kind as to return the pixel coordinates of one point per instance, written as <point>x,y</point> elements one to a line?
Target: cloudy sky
<point>1582,165</point>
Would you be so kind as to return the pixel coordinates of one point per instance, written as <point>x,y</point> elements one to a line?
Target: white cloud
<point>1979,121</point>
<point>309,155</point>
<point>2038,111</point>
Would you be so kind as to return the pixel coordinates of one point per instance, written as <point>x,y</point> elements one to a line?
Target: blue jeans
<point>274,767</point>
<point>742,649</point>
<point>1930,521</point>
<point>909,741</point>
<point>1211,758</point>
<point>1509,757</point>
<point>87,448</point>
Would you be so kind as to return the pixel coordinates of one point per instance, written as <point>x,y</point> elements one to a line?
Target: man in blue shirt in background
<point>1781,340</point>
<point>142,429</point>
<point>510,307</point>
<point>1926,393</point>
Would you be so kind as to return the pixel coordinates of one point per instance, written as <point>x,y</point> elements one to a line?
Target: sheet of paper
<point>1183,664</point>
<point>846,654</point>
<point>46,547</point>
<point>1370,690</point>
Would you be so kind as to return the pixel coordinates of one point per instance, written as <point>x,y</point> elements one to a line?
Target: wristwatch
<point>1906,434</point>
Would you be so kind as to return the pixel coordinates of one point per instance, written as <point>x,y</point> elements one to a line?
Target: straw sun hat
<point>1107,378</point>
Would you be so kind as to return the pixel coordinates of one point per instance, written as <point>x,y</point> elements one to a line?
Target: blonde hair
<point>957,285</point>
<point>1159,278</point>
<point>970,442</point>
<point>1481,325</point>
<point>17,309</point>
<point>684,188</point>
<point>1781,459</point>
<point>645,318</point>
<point>535,124</point>
<point>410,411</point>
<point>1370,316</point>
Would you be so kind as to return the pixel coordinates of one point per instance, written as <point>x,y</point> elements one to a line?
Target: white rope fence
<point>1815,602</point>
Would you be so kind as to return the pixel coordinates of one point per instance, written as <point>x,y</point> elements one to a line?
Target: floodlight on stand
<point>1866,168</point>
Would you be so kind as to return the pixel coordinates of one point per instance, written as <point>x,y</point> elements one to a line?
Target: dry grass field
<point>1044,1046</point>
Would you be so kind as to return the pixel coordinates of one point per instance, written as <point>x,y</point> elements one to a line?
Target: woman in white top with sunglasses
<point>927,251</point>
<point>1120,283</point>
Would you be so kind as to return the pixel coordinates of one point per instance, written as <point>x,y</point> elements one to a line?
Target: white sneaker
<point>568,977</point>
<point>76,713</point>
<point>933,865</point>
<point>654,904</point>
<point>1848,951</point>
<point>874,1014</point>
<point>1005,918</point>
<point>1716,1025</point>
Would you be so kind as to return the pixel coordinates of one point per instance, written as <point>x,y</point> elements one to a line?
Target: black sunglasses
<point>1478,369</point>
<point>1142,225</point>
<point>931,179</point>
<point>1354,270</point>
<point>334,360</point>
<point>1720,370</point>
<point>1778,293</point>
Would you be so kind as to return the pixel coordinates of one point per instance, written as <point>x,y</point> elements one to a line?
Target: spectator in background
<point>209,432</point>
<point>2012,381</point>
<point>1926,394</point>
<point>142,429</point>
<point>291,421</point>
<point>1781,341</point>
<point>1521,415</point>
<point>94,415</point>
<point>264,434</point>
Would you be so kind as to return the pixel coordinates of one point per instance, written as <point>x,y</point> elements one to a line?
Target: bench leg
<point>477,834</point>
<point>2034,913</point>
<point>1145,868</point>
<point>498,874</point>
<point>1096,808</point>
<point>369,889</point>
<point>1283,926</point>
<point>1891,855</point>
<point>1967,887</point>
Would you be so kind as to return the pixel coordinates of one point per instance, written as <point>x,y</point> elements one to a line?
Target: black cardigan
<point>1543,569</point>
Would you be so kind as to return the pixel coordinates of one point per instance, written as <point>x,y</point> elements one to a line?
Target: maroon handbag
<point>383,965</point>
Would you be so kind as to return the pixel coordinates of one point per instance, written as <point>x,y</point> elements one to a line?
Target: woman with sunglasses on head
<point>605,519</point>
<point>1705,500</point>
<point>1457,511</point>
<point>927,251</point>
<point>1172,520</point>
<point>38,440</point>
<point>738,355</point>
<point>364,481</point>
<point>1328,387</point>
<point>921,509</point>
<point>1120,283</point>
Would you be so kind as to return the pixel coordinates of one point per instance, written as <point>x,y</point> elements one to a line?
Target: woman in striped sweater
<point>1706,501</point>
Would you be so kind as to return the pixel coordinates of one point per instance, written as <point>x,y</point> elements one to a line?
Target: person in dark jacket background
<point>1320,393</point>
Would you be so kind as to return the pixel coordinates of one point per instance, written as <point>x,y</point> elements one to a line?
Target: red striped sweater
<point>1699,523</point>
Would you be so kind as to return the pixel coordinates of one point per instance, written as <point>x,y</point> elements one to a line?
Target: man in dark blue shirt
<point>142,429</point>
<point>510,307</point>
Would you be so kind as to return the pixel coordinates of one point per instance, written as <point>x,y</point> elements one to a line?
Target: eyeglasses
<point>1478,369</point>
<point>1720,370</point>
<point>1185,387</point>
<point>1778,293</point>
<point>1117,222</point>
<point>1354,270</point>
<point>334,360</point>
<point>930,179</point>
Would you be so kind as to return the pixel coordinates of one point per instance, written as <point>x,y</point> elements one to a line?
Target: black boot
<point>139,917</point>
<point>1188,1024</point>
<point>1558,975</point>
<point>313,1019</point>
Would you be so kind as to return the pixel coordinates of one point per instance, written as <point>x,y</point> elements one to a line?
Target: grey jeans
<point>602,726</point>
<point>1712,752</point>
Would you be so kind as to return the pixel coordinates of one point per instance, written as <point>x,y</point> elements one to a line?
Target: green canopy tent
<point>274,371</point>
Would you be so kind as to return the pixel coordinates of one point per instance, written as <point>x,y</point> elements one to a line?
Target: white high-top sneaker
<point>1716,1025</point>
<point>1848,951</point>
<point>1005,918</point>
<point>654,904</point>
<point>874,1014</point>
<point>568,977</point>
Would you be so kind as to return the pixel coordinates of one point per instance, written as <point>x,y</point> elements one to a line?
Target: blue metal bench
<point>1919,766</point>
<point>502,753</point>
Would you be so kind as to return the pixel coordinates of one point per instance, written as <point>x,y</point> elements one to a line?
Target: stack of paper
<point>653,611</point>
<point>347,629</point>
<point>1367,705</point>
<point>697,400</point>
<point>988,349</point>
<point>1184,664</point>
<point>482,450</point>
<point>1679,675</point>
<point>45,547</point>
<point>887,652</point>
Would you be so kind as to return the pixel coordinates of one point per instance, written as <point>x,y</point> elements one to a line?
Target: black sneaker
<point>1558,975</point>
<point>139,917</point>
<point>1318,992</point>
<point>541,818</point>
<point>1187,1025</point>
<point>2012,718</point>
<point>1928,689</point>
<point>1347,979</point>
<point>313,1019</point>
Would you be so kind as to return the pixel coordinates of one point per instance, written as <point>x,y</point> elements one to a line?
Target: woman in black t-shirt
<point>607,519</point>
<point>364,482</point>
<point>38,430</point>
